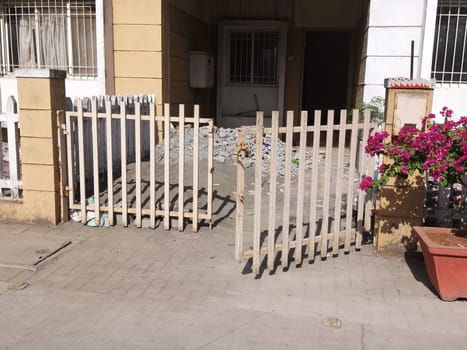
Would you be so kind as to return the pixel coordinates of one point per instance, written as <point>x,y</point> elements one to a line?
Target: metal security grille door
<point>449,56</point>
<point>55,34</point>
<point>251,72</point>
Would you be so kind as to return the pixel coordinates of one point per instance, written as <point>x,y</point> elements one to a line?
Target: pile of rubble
<point>225,142</point>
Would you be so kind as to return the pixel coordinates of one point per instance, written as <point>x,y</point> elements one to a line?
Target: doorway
<point>326,71</point>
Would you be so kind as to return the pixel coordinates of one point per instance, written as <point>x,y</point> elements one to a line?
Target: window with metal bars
<point>55,34</point>
<point>253,57</point>
<point>449,54</point>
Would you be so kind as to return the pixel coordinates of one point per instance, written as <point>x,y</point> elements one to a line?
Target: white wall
<point>453,97</point>
<point>392,25</point>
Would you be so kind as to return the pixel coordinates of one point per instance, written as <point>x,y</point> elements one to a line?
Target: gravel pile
<point>225,141</point>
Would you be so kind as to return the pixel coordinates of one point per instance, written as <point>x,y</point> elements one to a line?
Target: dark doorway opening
<point>326,72</point>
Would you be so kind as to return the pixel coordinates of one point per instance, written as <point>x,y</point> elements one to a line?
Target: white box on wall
<point>201,69</point>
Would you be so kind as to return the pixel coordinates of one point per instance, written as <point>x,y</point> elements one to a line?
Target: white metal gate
<point>314,203</point>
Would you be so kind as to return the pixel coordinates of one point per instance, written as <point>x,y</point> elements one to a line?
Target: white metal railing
<point>316,205</point>
<point>449,56</point>
<point>10,176</point>
<point>57,34</point>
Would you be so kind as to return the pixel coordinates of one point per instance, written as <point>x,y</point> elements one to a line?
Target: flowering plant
<point>439,151</point>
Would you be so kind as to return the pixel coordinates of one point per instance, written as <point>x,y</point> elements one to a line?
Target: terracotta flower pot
<point>445,258</point>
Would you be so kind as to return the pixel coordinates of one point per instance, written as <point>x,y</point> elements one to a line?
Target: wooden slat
<point>70,142</point>
<point>138,218</point>
<point>327,187</point>
<point>123,165</point>
<point>13,147</point>
<point>210,170</point>
<point>195,168</point>
<point>240,196</point>
<point>152,166</point>
<point>361,194</point>
<point>287,178</point>
<point>95,160</point>
<point>110,180</point>
<point>181,165</point>
<point>166,166</point>
<point>258,183</point>
<point>172,213</point>
<point>61,139</point>
<point>339,182</point>
<point>272,190</point>
<point>350,183</point>
<point>301,187</point>
<point>314,185</point>
<point>82,176</point>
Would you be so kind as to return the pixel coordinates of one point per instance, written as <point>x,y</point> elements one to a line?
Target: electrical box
<point>201,70</point>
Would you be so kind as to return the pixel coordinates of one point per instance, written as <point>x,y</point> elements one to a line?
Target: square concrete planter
<point>445,260</point>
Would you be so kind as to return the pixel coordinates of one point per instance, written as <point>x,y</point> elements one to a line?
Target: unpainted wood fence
<point>112,167</point>
<point>319,208</point>
<point>10,176</point>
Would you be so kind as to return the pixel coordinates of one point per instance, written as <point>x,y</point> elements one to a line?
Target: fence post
<point>41,93</point>
<point>399,204</point>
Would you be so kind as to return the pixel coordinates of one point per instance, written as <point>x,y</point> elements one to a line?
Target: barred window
<point>253,57</point>
<point>449,54</point>
<point>55,34</point>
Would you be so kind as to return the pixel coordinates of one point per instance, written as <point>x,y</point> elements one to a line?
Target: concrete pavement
<point>141,289</point>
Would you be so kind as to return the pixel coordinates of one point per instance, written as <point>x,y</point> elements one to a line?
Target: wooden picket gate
<point>10,177</point>
<point>140,189</point>
<point>322,181</point>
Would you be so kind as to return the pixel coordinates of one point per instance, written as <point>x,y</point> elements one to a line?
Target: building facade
<point>235,57</point>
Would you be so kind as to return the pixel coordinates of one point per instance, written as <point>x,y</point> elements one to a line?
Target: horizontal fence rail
<point>10,176</point>
<point>313,203</point>
<point>132,177</point>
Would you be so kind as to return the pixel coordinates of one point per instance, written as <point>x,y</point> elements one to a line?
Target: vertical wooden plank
<point>361,194</point>
<point>301,187</point>
<point>70,142</point>
<point>138,162</point>
<point>95,160</point>
<point>82,176</point>
<point>152,165</point>
<point>181,165</point>
<point>240,200</point>
<point>61,139</point>
<point>327,184</point>
<point>287,178</point>
<point>13,147</point>
<point>350,183</point>
<point>272,190</point>
<point>339,182</point>
<point>195,168</point>
<point>1,153</point>
<point>166,166</point>
<point>258,183</point>
<point>110,180</point>
<point>314,185</point>
<point>210,170</point>
<point>123,166</point>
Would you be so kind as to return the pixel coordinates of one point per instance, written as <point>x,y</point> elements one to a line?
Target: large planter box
<point>446,264</point>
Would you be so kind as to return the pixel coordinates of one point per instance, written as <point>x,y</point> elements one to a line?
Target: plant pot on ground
<point>445,255</point>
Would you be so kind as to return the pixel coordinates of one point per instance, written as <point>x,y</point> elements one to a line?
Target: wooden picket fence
<point>10,177</point>
<point>128,186</point>
<point>325,185</point>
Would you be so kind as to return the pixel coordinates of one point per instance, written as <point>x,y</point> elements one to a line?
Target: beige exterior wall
<point>138,42</point>
<point>40,94</point>
<point>188,33</point>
